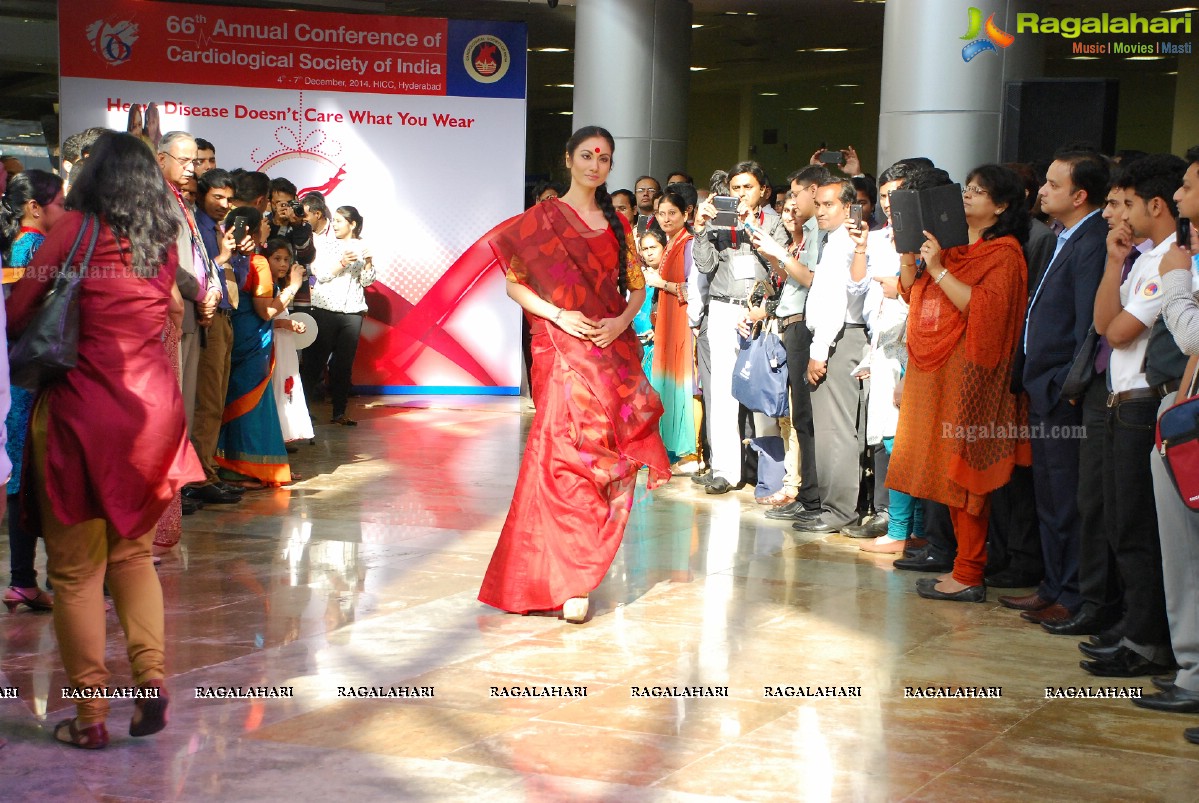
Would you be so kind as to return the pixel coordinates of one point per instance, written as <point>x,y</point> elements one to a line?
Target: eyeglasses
<point>184,161</point>
<point>645,189</point>
<point>971,189</point>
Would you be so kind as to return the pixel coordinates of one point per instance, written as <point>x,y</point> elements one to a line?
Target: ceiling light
<point>698,69</point>
<point>568,114</point>
<point>1183,10</point>
<point>847,86</point>
<point>768,94</point>
<point>549,50</point>
<point>822,50</point>
<point>561,86</point>
<point>1144,58</point>
<point>1084,58</point>
<point>695,25</point>
<point>808,109</point>
<point>859,103</point>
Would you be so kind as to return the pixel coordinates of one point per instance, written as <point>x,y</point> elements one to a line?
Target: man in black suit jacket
<point>1060,313</point>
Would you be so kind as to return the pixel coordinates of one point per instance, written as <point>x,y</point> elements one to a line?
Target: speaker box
<point>1041,115</point>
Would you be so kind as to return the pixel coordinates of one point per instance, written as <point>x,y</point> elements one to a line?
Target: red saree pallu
<point>596,422</point>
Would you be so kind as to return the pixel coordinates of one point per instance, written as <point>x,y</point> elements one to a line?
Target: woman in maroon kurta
<point>108,447</point>
<point>568,261</point>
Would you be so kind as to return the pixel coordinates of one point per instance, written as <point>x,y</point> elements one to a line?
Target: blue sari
<point>251,445</point>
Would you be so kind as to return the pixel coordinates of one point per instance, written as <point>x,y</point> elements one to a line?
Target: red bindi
<point>597,150</point>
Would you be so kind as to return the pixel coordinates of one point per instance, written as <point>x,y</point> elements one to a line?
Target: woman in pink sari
<point>569,262</point>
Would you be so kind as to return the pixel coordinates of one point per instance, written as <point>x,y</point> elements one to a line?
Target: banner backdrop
<point>419,123</point>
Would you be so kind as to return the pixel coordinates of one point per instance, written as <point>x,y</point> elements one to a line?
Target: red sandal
<point>93,737</point>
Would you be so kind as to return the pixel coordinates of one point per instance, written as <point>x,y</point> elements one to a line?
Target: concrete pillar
<point>1186,113</point>
<point>632,76</point>
<point>934,103</point>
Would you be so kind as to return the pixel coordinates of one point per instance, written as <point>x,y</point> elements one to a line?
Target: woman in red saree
<point>568,262</point>
<point>959,433</point>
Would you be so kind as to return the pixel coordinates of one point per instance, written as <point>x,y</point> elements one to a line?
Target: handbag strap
<point>94,223</point>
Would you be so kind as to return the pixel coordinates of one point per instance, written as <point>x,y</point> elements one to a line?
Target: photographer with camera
<point>726,253</point>
<point>288,218</point>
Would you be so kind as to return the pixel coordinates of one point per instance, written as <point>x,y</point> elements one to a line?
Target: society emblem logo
<point>486,59</point>
<point>993,36</point>
<point>112,41</point>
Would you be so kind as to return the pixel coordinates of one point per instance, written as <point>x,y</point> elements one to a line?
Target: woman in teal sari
<point>250,449</point>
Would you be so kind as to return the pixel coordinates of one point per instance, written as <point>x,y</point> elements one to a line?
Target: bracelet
<point>944,271</point>
<point>559,315</point>
<point>856,251</point>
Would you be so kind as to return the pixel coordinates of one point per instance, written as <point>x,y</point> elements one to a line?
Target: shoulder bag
<point>1178,445</point>
<point>49,346</point>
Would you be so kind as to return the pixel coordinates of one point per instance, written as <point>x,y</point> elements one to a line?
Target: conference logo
<point>112,41</point>
<point>993,37</point>
<point>486,59</point>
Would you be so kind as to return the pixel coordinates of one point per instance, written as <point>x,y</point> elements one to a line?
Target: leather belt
<point>790,319</point>
<point>855,326</point>
<point>1155,392</point>
<point>726,299</point>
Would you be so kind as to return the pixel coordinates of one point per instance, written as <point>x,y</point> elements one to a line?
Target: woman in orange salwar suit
<point>960,428</point>
<point>569,261</point>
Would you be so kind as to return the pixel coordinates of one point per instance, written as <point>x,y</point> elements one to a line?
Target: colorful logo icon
<point>993,37</point>
<point>112,41</point>
<point>486,59</point>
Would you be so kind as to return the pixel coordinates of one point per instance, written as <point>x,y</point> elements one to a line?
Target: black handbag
<point>1082,370</point>
<point>49,346</point>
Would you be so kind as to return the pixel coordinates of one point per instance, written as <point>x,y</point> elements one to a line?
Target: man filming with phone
<point>726,253</point>
<point>846,160</point>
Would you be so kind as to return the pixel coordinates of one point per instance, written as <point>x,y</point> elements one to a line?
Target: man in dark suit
<point>1060,313</point>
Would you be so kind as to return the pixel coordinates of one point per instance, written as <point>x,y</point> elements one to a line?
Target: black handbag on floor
<point>49,346</point>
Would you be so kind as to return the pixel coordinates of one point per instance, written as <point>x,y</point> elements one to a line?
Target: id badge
<point>745,266</point>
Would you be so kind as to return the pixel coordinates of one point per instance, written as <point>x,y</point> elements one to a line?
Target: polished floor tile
<point>803,669</point>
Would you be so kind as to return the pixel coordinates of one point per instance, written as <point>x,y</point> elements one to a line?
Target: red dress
<point>596,422</point>
<point>117,446</point>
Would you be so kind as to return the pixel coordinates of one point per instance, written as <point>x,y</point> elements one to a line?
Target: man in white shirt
<point>1124,314</point>
<point>833,314</point>
<point>1179,525</point>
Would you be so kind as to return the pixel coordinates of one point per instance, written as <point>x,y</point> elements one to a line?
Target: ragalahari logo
<point>112,41</point>
<point>993,36</point>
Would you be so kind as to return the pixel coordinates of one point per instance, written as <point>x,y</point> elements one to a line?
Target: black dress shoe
<point>1105,639</point>
<point>230,488</point>
<point>1105,652</point>
<point>1175,701</point>
<point>869,527</point>
<point>703,478</point>
<point>190,506</point>
<point>1163,682</point>
<point>291,448</point>
<point>924,560</point>
<point>815,524</point>
<point>927,588</point>
<point>1191,735</point>
<point>787,512</point>
<point>719,485</point>
<point>210,495</point>
<point>1083,623</point>
<point>1125,663</point>
<point>1012,578</point>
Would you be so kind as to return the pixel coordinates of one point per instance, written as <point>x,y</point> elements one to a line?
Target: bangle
<point>856,251</point>
<point>937,280</point>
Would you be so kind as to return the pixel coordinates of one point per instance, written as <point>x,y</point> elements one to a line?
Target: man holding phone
<point>1178,525</point>
<point>734,265</point>
<point>834,315</point>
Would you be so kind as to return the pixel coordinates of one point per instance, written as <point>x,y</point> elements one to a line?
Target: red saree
<point>596,422</point>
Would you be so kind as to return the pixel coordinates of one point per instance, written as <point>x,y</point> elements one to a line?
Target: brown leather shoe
<point>1054,614</point>
<point>1029,602</point>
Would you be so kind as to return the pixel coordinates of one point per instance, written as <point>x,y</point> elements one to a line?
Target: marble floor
<point>365,575</point>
